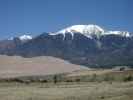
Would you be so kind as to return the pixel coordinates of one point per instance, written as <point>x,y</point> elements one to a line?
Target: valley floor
<point>63,91</point>
<point>41,79</point>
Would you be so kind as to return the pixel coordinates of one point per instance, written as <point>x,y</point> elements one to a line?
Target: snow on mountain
<point>83,29</point>
<point>89,31</point>
<point>25,37</point>
<point>121,33</point>
<point>86,30</point>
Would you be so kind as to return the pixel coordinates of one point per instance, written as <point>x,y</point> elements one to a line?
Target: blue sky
<point>37,16</point>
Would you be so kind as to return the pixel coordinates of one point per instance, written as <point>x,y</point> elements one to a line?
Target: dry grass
<point>98,90</point>
<point>82,91</point>
<point>88,72</point>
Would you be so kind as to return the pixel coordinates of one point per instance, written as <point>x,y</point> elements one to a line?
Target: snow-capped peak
<point>82,29</point>
<point>86,30</point>
<point>25,37</point>
<point>90,31</point>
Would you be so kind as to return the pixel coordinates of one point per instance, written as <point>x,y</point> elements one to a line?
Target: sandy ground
<point>12,66</point>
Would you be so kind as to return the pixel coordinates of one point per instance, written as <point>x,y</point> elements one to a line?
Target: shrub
<point>128,78</point>
<point>77,80</point>
<point>55,79</point>
<point>93,77</point>
<point>69,80</point>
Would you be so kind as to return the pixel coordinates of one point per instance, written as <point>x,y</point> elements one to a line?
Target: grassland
<point>79,91</point>
<point>78,85</point>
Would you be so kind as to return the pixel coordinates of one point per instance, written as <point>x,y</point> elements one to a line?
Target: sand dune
<point>11,66</point>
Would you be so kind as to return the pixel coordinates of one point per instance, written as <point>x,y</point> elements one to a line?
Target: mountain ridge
<point>90,30</point>
<point>104,50</point>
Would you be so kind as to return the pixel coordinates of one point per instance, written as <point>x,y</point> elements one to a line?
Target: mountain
<point>25,37</point>
<point>90,31</point>
<point>88,45</point>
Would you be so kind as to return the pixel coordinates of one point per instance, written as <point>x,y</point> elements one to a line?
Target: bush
<point>128,78</point>
<point>55,79</point>
<point>69,80</point>
<point>93,78</point>
<point>77,80</point>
